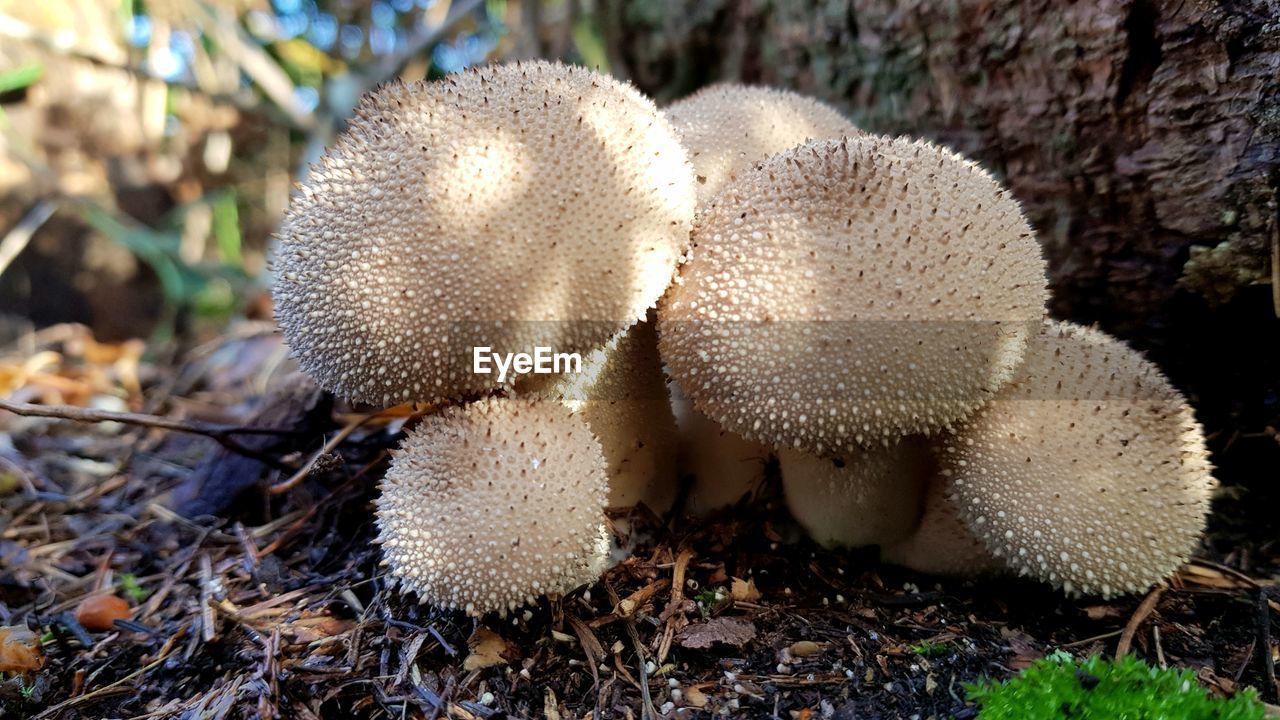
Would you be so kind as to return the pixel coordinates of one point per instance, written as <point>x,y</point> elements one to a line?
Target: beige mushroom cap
<point>622,396</point>
<point>1089,471</point>
<point>728,128</point>
<point>867,497</point>
<point>725,466</point>
<point>512,206</point>
<point>940,544</point>
<point>487,506</point>
<point>852,292</point>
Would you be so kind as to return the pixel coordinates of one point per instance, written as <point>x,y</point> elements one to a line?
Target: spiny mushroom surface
<point>851,292</point>
<point>508,207</point>
<point>727,128</point>
<point>622,396</point>
<point>867,497</point>
<point>940,544</point>
<point>487,506</point>
<point>1089,471</point>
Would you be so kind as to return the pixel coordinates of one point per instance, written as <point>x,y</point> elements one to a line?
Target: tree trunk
<point>1131,131</point>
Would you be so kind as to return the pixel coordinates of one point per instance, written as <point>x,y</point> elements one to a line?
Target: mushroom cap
<point>940,544</point>
<point>867,497</point>
<point>487,506</point>
<point>727,128</point>
<point>851,292</point>
<point>1088,471</point>
<point>622,395</point>
<point>725,466</point>
<point>510,207</point>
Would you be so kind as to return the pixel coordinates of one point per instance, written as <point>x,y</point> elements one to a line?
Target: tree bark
<point>1131,131</point>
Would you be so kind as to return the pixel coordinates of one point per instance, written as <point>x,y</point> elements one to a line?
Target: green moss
<point>1103,689</point>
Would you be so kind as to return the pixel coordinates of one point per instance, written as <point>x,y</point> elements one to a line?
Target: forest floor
<point>270,602</point>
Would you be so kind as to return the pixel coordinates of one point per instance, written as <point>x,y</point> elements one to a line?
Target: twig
<point>15,241</point>
<point>1144,610</point>
<point>1264,646</point>
<point>221,433</point>
<point>305,470</point>
<point>163,655</point>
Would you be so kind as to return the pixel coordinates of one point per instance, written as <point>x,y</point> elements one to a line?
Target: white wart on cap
<point>867,497</point>
<point>852,292</point>
<point>512,206</point>
<point>487,506</point>
<point>622,396</point>
<point>728,128</point>
<point>1089,471</point>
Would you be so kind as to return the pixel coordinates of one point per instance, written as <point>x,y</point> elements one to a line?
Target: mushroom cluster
<point>746,277</point>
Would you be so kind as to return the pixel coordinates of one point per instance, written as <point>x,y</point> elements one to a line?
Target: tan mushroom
<point>621,395</point>
<point>724,466</point>
<point>728,128</point>
<point>940,544</point>
<point>487,506</point>
<point>1088,471</point>
<point>852,292</point>
<point>509,207</point>
<point>867,497</point>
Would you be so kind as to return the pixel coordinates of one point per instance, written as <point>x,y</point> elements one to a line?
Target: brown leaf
<point>487,649</point>
<point>744,590</point>
<point>1102,612</point>
<point>727,630</point>
<point>20,650</point>
<point>98,613</point>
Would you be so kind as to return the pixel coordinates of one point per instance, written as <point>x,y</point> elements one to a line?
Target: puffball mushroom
<point>1088,471</point>
<point>725,466</point>
<point>867,497</point>
<point>727,128</point>
<point>509,207</point>
<point>852,292</point>
<point>622,396</point>
<point>940,544</point>
<point>487,506</point>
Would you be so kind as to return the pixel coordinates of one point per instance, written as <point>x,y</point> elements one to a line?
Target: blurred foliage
<point>166,136</point>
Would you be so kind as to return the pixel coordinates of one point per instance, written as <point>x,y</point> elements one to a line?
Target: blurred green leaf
<point>590,45</point>
<point>20,77</point>
<point>226,229</point>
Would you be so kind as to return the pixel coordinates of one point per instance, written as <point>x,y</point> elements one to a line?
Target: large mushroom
<point>487,506</point>
<point>851,292</point>
<point>728,128</point>
<point>621,395</point>
<point>1088,471</point>
<point>508,207</point>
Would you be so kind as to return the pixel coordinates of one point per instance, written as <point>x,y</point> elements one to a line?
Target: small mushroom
<point>508,207</point>
<point>851,292</point>
<point>1088,471</point>
<point>867,497</point>
<point>487,506</point>
<point>725,467</point>
<point>940,544</point>
<point>727,128</point>
<point>621,395</point>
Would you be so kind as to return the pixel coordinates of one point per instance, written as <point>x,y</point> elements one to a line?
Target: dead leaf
<point>1102,612</point>
<point>744,590</point>
<point>695,697</point>
<point>99,613</point>
<point>727,630</point>
<point>20,650</point>
<point>487,649</point>
<point>803,648</point>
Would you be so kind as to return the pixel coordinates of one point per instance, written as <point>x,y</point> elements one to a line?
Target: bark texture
<point>1131,130</point>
